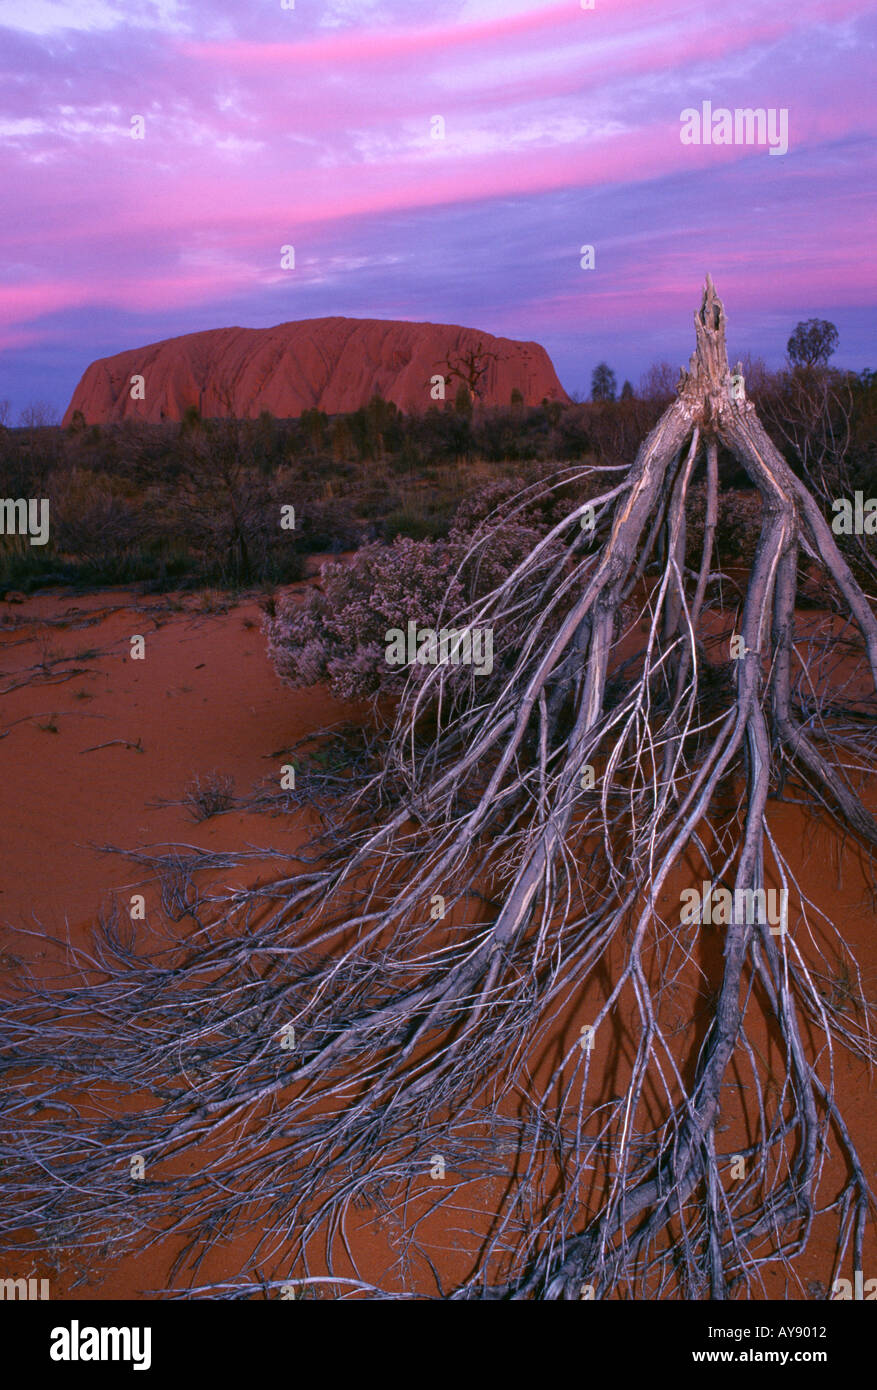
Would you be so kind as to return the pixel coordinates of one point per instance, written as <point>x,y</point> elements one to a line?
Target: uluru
<point>331,364</point>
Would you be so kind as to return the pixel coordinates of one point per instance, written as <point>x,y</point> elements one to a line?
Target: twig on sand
<point>112,742</point>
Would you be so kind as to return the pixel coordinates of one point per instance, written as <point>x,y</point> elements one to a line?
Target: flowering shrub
<point>507,533</point>
<point>338,634</point>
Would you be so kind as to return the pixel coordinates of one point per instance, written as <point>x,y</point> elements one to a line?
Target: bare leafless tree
<point>470,368</point>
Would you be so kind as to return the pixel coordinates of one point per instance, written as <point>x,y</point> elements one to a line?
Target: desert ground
<point>98,751</point>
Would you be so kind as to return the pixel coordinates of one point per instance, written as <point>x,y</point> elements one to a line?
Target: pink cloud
<point>120,215</point>
<point>23,302</point>
<point>262,201</point>
<point>359,46</point>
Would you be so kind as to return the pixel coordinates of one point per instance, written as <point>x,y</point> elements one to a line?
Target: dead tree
<point>470,368</point>
<point>548,817</point>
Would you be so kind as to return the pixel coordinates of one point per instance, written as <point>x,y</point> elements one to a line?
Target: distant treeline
<point>199,501</point>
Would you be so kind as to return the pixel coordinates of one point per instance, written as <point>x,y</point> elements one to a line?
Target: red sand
<point>207,698</point>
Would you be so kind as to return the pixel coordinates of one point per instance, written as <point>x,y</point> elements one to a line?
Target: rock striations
<point>333,364</point>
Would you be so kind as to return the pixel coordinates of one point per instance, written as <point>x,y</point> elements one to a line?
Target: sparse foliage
<point>812,343</point>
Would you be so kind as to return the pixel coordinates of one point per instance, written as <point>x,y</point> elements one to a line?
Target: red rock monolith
<point>333,364</point>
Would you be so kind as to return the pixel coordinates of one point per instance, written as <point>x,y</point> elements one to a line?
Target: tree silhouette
<point>812,343</point>
<point>470,368</point>
<point>603,383</point>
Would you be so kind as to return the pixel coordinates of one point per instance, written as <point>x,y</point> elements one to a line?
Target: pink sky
<point>266,127</point>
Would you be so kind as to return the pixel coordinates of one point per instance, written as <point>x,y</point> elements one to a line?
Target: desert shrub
<point>507,531</point>
<point>209,795</point>
<point>30,568</point>
<point>313,426</point>
<point>326,525</point>
<point>408,460</point>
<point>417,523</point>
<point>338,635</point>
<point>93,518</point>
<point>499,435</point>
<point>500,499</point>
<point>377,500</point>
<point>27,459</point>
<point>229,511</point>
<point>440,434</point>
<point>737,526</point>
<point>570,437</point>
<point>863,432</point>
<point>171,569</point>
<point>96,535</point>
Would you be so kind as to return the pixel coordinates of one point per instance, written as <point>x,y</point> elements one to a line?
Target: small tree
<point>341,439</point>
<point>38,415</point>
<point>603,383</point>
<point>380,418</point>
<point>191,420</point>
<point>812,343</point>
<point>315,424</point>
<point>659,382</point>
<point>470,368</point>
<point>627,392</point>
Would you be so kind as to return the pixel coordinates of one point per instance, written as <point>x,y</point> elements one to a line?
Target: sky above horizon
<point>314,127</point>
